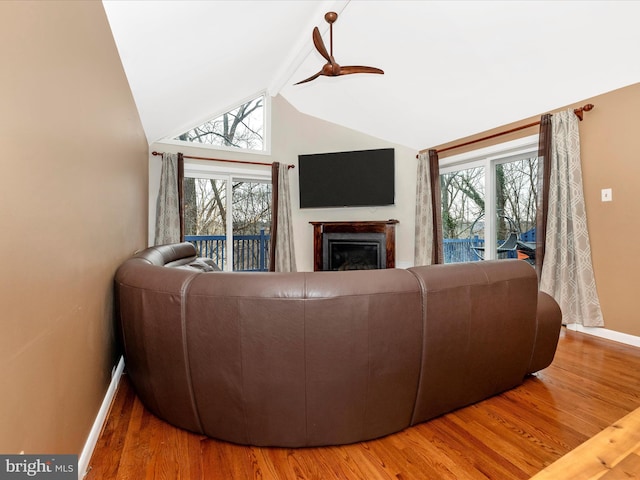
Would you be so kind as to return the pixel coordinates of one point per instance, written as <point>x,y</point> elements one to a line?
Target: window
<point>241,128</point>
<point>223,209</point>
<point>489,200</point>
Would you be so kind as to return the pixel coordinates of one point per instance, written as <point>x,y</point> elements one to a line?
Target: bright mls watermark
<point>42,467</point>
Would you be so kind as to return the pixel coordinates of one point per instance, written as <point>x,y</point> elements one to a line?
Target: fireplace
<point>354,245</point>
<point>348,251</point>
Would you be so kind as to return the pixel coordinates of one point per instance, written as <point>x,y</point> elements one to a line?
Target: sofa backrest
<point>289,359</point>
<point>320,358</point>
<point>479,331</point>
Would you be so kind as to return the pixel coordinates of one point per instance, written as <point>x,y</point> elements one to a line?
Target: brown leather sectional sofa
<point>326,358</point>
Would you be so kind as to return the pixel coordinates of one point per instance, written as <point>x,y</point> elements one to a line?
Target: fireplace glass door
<point>363,251</point>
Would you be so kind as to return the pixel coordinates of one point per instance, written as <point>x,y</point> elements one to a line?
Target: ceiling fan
<point>331,68</point>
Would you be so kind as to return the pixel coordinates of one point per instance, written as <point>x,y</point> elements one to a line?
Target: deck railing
<point>250,252</point>
<point>458,250</point>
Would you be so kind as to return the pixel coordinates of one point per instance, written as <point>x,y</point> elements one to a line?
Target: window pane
<point>241,128</point>
<point>462,214</point>
<point>205,215</point>
<point>516,200</point>
<point>251,225</point>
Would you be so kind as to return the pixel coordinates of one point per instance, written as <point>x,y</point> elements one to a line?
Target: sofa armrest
<point>549,321</point>
<point>168,255</point>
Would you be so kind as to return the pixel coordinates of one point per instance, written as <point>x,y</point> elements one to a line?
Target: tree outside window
<point>241,128</point>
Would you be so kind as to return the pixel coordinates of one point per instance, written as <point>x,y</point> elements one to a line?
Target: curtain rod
<point>578,111</point>
<point>155,154</point>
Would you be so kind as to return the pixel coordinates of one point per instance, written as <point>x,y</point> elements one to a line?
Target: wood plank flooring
<point>591,384</point>
<point>614,453</point>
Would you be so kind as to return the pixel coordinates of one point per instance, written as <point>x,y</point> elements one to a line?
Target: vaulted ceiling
<point>452,68</point>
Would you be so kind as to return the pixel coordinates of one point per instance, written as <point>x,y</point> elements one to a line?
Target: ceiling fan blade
<point>312,77</point>
<point>317,41</point>
<point>332,68</point>
<point>359,69</point>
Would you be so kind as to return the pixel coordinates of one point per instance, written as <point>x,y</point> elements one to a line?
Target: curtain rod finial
<point>586,108</point>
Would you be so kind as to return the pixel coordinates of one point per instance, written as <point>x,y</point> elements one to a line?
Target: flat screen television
<point>363,178</point>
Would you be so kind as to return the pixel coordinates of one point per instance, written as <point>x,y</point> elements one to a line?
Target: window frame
<point>488,158</point>
<point>266,145</point>
<point>200,169</point>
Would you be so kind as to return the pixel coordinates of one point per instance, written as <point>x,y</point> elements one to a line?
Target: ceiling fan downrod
<point>330,17</point>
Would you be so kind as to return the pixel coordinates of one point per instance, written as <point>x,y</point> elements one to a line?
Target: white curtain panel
<point>168,204</point>
<point>285,257</point>
<point>567,273</point>
<point>423,251</point>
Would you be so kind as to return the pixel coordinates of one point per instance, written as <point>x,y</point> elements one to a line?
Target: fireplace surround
<point>359,245</point>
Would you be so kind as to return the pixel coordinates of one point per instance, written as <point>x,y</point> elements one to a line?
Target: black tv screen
<point>363,178</point>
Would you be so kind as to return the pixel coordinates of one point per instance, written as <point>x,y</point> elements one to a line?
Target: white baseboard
<point>605,333</point>
<point>94,434</point>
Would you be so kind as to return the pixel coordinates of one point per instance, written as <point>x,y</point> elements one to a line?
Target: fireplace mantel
<point>386,227</point>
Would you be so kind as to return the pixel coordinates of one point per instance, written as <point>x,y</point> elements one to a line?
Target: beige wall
<point>73,205</point>
<point>610,146</point>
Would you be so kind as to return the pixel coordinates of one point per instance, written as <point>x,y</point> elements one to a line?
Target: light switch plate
<point>607,195</point>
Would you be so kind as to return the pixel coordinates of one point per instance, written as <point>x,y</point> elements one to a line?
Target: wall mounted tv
<point>363,178</point>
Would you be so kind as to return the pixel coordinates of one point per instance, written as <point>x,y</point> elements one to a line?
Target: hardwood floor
<point>613,454</point>
<point>590,385</point>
